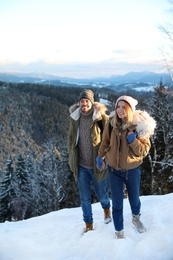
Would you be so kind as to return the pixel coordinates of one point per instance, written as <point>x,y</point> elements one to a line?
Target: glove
<point>99,162</point>
<point>131,137</point>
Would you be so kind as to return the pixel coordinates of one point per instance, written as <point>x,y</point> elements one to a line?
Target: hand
<point>99,162</point>
<point>131,137</point>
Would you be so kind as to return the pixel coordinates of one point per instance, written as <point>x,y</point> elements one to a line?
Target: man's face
<point>85,105</point>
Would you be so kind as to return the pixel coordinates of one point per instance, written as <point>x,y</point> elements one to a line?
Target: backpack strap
<point>110,129</point>
<point>100,124</point>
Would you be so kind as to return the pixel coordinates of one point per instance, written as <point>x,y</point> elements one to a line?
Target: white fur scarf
<point>145,124</point>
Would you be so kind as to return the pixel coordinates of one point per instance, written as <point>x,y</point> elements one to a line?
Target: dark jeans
<point>132,180</point>
<point>86,178</point>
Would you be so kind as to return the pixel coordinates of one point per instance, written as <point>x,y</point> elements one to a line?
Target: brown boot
<point>89,226</point>
<point>107,216</point>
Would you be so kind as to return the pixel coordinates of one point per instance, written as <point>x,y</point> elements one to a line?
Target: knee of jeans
<point>116,211</point>
<point>105,204</point>
<point>85,201</point>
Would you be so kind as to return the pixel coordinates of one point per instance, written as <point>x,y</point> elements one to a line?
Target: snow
<point>59,235</point>
<point>105,102</point>
<point>145,89</point>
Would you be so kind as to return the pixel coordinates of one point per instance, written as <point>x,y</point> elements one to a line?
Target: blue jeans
<point>117,179</point>
<point>86,178</point>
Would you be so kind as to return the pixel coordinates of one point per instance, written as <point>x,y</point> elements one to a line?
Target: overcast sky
<point>81,38</point>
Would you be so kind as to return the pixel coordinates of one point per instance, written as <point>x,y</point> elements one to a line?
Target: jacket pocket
<point>132,155</point>
<point>73,160</point>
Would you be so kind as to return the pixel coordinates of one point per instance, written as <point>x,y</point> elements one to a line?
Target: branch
<point>168,66</point>
<point>165,31</point>
<point>162,163</point>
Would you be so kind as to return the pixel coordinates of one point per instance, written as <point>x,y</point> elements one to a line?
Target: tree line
<point>34,173</point>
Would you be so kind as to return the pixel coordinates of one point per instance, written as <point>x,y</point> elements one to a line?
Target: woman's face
<point>121,112</point>
<point>85,105</point>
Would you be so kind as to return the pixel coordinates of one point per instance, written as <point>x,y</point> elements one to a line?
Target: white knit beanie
<point>131,101</point>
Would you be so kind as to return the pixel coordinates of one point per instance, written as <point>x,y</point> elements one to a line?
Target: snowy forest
<point>34,173</point>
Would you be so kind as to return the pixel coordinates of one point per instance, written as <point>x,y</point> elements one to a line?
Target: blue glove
<point>99,162</point>
<point>131,137</point>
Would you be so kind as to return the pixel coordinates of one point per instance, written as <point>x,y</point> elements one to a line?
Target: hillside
<point>30,116</point>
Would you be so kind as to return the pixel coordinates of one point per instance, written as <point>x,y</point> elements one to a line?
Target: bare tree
<point>161,155</point>
<point>167,49</point>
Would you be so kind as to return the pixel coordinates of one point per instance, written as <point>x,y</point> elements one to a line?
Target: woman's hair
<point>129,118</point>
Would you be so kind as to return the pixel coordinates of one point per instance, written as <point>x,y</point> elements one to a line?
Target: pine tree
<point>50,177</point>
<point>22,196</point>
<point>6,192</point>
<point>33,205</point>
<point>161,153</point>
<point>71,198</point>
<point>40,194</point>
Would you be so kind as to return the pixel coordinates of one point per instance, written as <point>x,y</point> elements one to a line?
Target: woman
<point>124,151</point>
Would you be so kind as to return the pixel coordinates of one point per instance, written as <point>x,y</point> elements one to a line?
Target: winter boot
<point>138,224</point>
<point>119,234</point>
<point>107,216</point>
<point>89,226</point>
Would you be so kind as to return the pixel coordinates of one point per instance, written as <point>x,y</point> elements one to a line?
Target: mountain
<point>131,77</point>
<point>134,79</point>
<point>145,77</point>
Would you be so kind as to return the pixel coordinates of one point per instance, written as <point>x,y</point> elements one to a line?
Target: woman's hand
<point>131,137</point>
<point>100,163</point>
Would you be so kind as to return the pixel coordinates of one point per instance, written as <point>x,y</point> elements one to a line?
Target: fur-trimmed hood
<point>143,122</point>
<point>98,107</point>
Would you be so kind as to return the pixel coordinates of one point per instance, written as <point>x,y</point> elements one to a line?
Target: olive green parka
<point>99,115</point>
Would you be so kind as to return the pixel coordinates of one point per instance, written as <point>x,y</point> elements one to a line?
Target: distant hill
<point>132,77</point>
<point>144,77</point>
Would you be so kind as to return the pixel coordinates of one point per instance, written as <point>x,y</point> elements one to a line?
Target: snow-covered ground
<point>59,235</point>
<point>145,89</point>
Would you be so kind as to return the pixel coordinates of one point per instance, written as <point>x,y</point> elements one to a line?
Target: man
<point>87,120</point>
